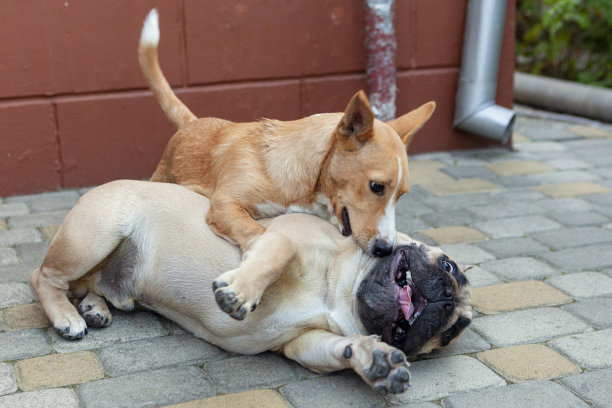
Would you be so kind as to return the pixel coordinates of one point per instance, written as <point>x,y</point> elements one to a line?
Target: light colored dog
<point>346,165</point>
<point>326,303</point>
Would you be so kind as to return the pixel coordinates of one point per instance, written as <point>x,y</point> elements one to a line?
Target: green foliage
<point>567,39</point>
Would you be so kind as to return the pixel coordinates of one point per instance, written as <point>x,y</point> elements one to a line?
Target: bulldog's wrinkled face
<point>417,299</point>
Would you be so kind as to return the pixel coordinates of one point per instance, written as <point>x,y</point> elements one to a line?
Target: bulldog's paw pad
<point>232,301</point>
<point>96,320</point>
<point>72,329</point>
<point>388,372</point>
<point>95,312</point>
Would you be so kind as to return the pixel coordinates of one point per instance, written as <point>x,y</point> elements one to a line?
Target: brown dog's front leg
<point>231,220</point>
<point>380,365</point>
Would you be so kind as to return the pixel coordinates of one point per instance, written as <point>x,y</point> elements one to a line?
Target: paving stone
<point>590,350</point>
<point>584,284</point>
<point>466,254</point>
<point>11,209</point>
<point>515,181</point>
<point>125,327</point>
<point>340,390</point>
<point>148,389</point>
<point>595,311</point>
<point>3,225</point>
<point>61,200</point>
<point>527,326</point>
<point>469,171</point>
<point>519,167</point>
<point>407,205</point>
<point>588,258</point>
<point>454,235</point>
<point>603,172</point>
<point>572,189</point>
<point>450,218</point>
<point>19,236</point>
<point>508,297</point>
<point>29,316</point>
<point>544,129</point>
<point>467,342</point>
<point>607,271</point>
<point>574,176</point>
<point>520,269</point>
<point>518,138</point>
<point>438,378</point>
<point>37,220</point>
<point>244,373</point>
<point>409,225</point>
<point>479,277</point>
<point>248,399</point>
<point>12,294</point>
<point>56,370</point>
<point>569,164</point>
<point>427,172</point>
<point>49,231</point>
<point>573,237</point>
<point>17,345</point>
<point>593,387</point>
<point>528,362</point>
<point>8,384</point>
<point>516,226</point>
<point>590,131</point>
<point>461,186</point>
<point>30,256</point>
<point>470,201</point>
<point>544,394</point>
<point>149,354</point>
<point>579,218</point>
<point>521,208</point>
<point>8,256</point>
<point>601,199</point>
<point>540,147</point>
<point>512,247</point>
<point>52,398</point>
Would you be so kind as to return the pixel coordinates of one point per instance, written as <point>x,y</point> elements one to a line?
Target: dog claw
<point>381,389</point>
<point>240,314</point>
<point>216,285</point>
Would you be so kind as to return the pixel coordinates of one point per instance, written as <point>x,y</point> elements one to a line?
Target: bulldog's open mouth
<point>411,302</point>
<point>346,223</point>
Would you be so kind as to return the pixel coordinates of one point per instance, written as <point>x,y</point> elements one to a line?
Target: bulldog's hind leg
<point>239,291</point>
<point>380,365</point>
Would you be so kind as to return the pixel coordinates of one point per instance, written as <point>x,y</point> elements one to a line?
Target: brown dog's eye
<point>377,188</point>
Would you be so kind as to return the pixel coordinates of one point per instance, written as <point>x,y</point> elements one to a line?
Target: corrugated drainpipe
<point>476,111</point>
<point>380,47</point>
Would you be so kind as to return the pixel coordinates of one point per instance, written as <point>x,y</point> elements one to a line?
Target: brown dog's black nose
<point>382,247</point>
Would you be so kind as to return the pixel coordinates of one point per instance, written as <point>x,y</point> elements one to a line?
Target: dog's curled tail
<point>172,106</point>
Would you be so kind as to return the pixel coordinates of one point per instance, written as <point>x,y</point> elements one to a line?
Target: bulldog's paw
<point>71,327</point>
<point>94,310</point>
<point>232,300</point>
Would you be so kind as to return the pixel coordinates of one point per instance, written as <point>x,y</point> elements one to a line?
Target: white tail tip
<point>150,29</point>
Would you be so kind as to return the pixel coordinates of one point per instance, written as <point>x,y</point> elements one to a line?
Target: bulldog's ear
<point>358,120</point>
<point>407,125</point>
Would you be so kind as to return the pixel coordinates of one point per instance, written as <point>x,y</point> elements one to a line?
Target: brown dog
<point>347,165</point>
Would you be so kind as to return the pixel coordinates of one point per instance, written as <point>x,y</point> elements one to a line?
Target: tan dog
<point>348,165</point>
<point>326,303</point>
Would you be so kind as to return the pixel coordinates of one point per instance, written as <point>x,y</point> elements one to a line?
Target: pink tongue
<point>405,303</point>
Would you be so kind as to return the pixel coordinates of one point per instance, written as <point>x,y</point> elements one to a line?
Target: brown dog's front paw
<point>232,301</point>
<point>388,372</point>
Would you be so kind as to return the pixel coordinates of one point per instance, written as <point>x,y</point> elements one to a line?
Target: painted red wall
<point>75,110</point>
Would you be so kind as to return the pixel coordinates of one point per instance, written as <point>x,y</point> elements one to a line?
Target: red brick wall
<point>75,110</point>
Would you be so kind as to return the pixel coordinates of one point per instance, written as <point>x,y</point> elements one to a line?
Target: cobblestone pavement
<point>536,223</point>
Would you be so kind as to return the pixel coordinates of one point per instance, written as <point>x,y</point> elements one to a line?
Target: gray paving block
<point>588,258</point>
<point>10,209</point>
<point>603,172</point>
<point>594,387</point>
<point>563,177</point>
<point>583,285</point>
<point>541,147</point>
<point>408,205</point>
<point>516,226</point>
<point>512,247</point>
<point>520,268</point>
<point>441,377</point>
<point>468,342</point>
<point>533,394</point>
<point>409,224</point>
<point>604,199</point>
<point>466,254</point>
<point>546,207</point>
<point>8,383</point>
<point>161,352</point>
<point>569,164</point>
<point>12,294</point>
<point>450,218</point>
<point>8,256</point>
<point>579,218</point>
<point>125,327</point>
<point>19,236</point>
<point>607,271</point>
<point>595,311</point>
<point>527,326</point>
<point>50,398</point>
<point>30,256</point>
<point>242,373</point>
<point>469,171</point>
<point>61,200</point>
<point>515,181</point>
<point>589,350</point>
<point>540,129</point>
<point>418,405</point>
<point>16,345</point>
<point>480,277</point>
<point>37,220</point>
<point>148,389</point>
<point>573,237</point>
<point>344,389</point>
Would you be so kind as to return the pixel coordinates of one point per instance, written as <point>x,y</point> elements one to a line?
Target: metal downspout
<point>476,111</point>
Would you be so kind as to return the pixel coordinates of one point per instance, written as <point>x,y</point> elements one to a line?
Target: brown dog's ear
<point>358,118</point>
<point>407,125</point>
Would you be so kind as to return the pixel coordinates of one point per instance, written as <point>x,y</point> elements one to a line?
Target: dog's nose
<point>382,247</point>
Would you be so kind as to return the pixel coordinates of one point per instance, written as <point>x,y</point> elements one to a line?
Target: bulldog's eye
<point>449,266</point>
<point>377,188</point>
